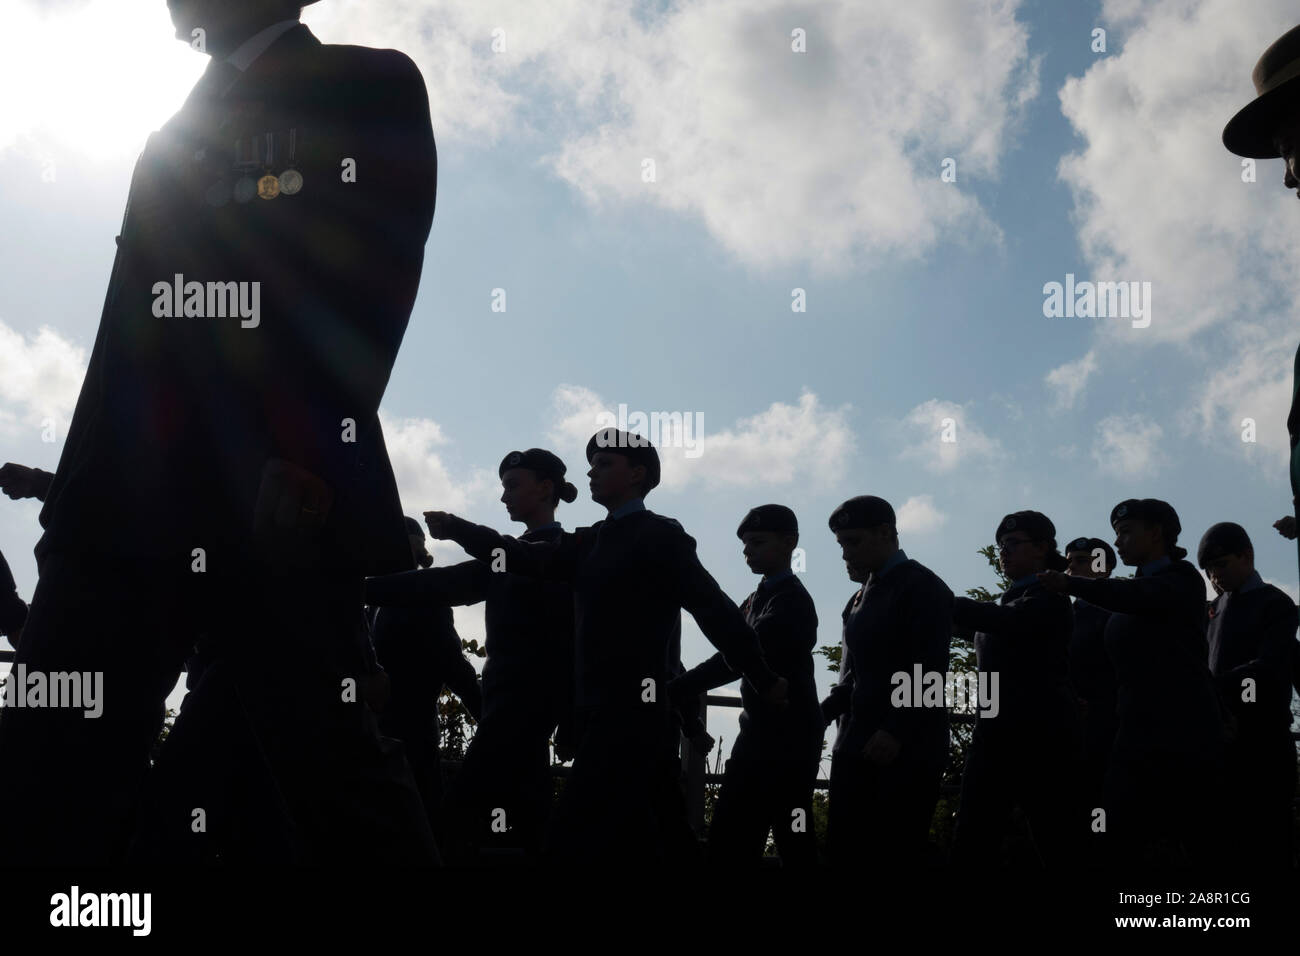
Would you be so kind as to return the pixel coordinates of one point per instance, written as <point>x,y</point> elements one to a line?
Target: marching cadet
<point>1023,643</point>
<point>1252,643</point>
<point>226,446</point>
<point>1092,675</point>
<point>888,756</point>
<point>420,652</point>
<point>502,795</point>
<point>768,782</point>
<point>1168,748</point>
<point>632,574</point>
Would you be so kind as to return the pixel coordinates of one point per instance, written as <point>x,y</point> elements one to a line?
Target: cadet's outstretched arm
<point>551,560</point>
<point>703,677</point>
<point>1029,618</point>
<point>1158,594</point>
<point>719,619</point>
<point>458,585</point>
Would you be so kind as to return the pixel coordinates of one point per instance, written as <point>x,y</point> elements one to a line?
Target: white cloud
<point>968,445</point>
<point>830,156</point>
<point>1069,380</point>
<point>423,480</point>
<point>40,379</point>
<point>918,515</point>
<point>781,445</point>
<point>1128,446</point>
<point>1158,198</point>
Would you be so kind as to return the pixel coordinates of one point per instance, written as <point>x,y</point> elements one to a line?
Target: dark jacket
<point>631,578</point>
<point>1092,676</point>
<point>13,609</point>
<point>897,621</point>
<point>785,620</point>
<point>1025,640</point>
<point>177,416</point>
<point>528,672</point>
<point>1252,635</point>
<point>421,652</point>
<point>1155,637</point>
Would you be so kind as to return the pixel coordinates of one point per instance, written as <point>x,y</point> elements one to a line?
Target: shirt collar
<point>1027,580</point>
<point>1252,583</point>
<point>549,526</point>
<point>627,508</point>
<point>1151,567</point>
<point>895,559</point>
<point>773,579</point>
<point>257,44</point>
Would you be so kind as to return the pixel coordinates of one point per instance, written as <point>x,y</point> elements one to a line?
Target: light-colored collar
<point>1251,583</point>
<point>256,45</point>
<point>773,579</point>
<point>549,526</point>
<point>895,559</point>
<point>1151,567</point>
<point>627,508</point>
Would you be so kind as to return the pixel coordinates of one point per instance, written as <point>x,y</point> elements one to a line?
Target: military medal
<point>291,179</point>
<point>246,187</point>
<point>268,187</point>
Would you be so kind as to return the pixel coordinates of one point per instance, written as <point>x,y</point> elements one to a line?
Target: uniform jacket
<point>528,673</point>
<point>1025,640</point>
<point>785,620</point>
<point>178,415</point>
<point>1252,635</point>
<point>897,621</point>
<point>631,578</point>
<point>1155,637</point>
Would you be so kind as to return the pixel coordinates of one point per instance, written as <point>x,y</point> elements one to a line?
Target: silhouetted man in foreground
<point>1269,128</point>
<point>225,453</point>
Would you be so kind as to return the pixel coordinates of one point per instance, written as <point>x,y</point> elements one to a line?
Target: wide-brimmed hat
<point>1277,87</point>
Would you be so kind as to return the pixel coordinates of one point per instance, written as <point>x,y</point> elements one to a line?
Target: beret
<point>1092,544</point>
<point>778,519</point>
<point>1226,537</point>
<point>1152,511</point>
<point>864,511</point>
<point>1039,527</point>
<point>1033,523</point>
<point>631,446</point>
<point>545,464</point>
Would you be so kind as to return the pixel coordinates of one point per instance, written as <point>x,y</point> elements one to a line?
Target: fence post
<point>694,765</point>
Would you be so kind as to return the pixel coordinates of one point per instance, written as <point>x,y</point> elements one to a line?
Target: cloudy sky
<point>774,171</point>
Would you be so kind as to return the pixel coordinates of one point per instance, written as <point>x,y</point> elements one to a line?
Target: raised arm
<point>551,560</point>
<point>464,583</point>
<point>1039,611</point>
<point>719,619</point>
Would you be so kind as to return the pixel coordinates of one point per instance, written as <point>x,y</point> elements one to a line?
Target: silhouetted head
<point>867,533</point>
<point>1089,558</point>
<point>533,484</point>
<point>1227,556</point>
<point>770,534</point>
<point>1027,544</point>
<point>623,466</point>
<point>1269,126</point>
<point>1146,530</point>
<point>228,23</point>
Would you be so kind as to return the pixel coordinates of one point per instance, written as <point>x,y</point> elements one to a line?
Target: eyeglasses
<point>1008,545</point>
